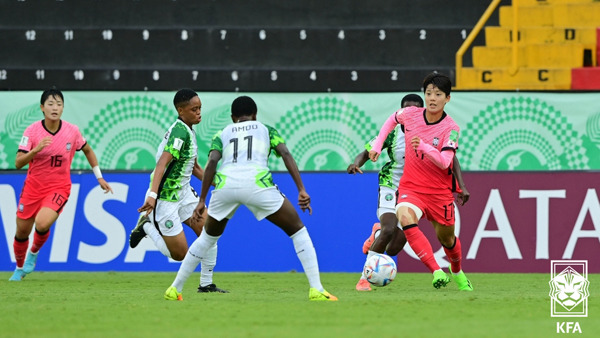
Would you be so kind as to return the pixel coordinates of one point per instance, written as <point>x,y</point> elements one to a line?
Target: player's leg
<point>197,223</point>
<point>387,221</point>
<point>43,221</point>
<point>381,236</point>
<point>397,243</point>
<point>20,246</point>
<point>375,230</point>
<point>452,247</point>
<point>409,211</point>
<point>177,245</point>
<point>207,264</point>
<point>209,260</point>
<point>41,210</point>
<point>288,220</point>
<point>388,225</point>
<point>189,202</point>
<point>49,209</point>
<point>223,204</point>
<point>196,253</point>
<point>162,225</point>
<point>388,228</point>
<point>168,216</point>
<point>138,233</point>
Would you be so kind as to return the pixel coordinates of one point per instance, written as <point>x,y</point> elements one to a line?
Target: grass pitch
<point>118,304</point>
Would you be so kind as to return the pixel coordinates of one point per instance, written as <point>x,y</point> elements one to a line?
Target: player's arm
<point>359,161</point>
<point>209,172</point>
<point>441,159</point>
<point>292,167</point>
<point>24,157</point>
<point>159,172</point>
<point>464,195</point>
<point>387,128</point>
<point>209,176</point>
<point>93,161</point>
<point>197,171</point>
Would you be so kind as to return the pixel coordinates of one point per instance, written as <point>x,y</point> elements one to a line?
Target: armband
<point>97,172</point>
<point>152,194</point>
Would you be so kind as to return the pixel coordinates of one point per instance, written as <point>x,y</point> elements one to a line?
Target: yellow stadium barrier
<point>532,16</point>
<point>524,79</point>
<point>502,36</point>
<point>526,3</point>
<point>556,55</point>
<point>552,38</point>
<point>577,15</point>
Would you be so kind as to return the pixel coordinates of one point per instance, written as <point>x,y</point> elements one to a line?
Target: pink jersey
<point>420,173</point>
<point>51,168</point>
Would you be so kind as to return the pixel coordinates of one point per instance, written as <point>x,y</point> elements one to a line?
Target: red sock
<point>38,240</point>
<point>454,255</point>
<point>421,246</point>
<point>20,249</point>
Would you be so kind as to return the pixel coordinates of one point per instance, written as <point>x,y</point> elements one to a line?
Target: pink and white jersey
<point>51,168</point>
<point>420,173</point>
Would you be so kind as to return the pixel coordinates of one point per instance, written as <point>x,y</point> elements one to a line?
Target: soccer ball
<point>380,270</point>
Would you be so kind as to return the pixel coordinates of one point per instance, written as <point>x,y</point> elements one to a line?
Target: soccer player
<point>48,146</point>
<point>426,186</point>
<point>171,200</point>
<point>244,178</point>
<point>385,234</point>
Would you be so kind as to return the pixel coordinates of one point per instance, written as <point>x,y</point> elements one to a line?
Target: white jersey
<point>179,141</point>
<point>391,172</point>
<point>245,149</point>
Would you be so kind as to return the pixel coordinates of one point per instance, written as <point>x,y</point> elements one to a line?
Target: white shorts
<point>387,201</point>
<point>262,202</point>
<point>169,216</point>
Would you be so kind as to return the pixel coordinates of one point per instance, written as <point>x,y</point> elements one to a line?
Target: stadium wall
<point>514,222</point>
<point>325,131</point>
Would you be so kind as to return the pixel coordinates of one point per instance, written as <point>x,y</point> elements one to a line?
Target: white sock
<point>198,251</point>
<point>376,233</point>
<point>208,265</point>
<point>308,257</point>
<point>155,236</point>
<point>369,254</point>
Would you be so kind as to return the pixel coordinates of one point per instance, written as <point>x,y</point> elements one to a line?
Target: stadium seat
<point>502,36</point>
<point>271,45</point>
<point>524,79</point>
<point>555,55</point>
<point>556,41</point>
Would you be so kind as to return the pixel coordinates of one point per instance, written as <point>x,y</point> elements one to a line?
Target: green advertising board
<point>325,131</point>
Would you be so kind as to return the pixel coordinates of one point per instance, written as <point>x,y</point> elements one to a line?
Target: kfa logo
<point>569,292</point>
<point>568,327</point>
<point>569,289</point>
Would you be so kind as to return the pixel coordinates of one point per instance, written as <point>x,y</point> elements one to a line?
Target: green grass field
<point>116,304</point>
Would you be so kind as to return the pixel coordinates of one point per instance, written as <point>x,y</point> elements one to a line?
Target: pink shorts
<point>436,207</point>
<point>30,203</point>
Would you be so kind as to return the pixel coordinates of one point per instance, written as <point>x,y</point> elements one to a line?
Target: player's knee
<point>387,232</point>
<point>396,245</point>
<point>178,255</point>
<point>447,240</point>
<point>394,249</point>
